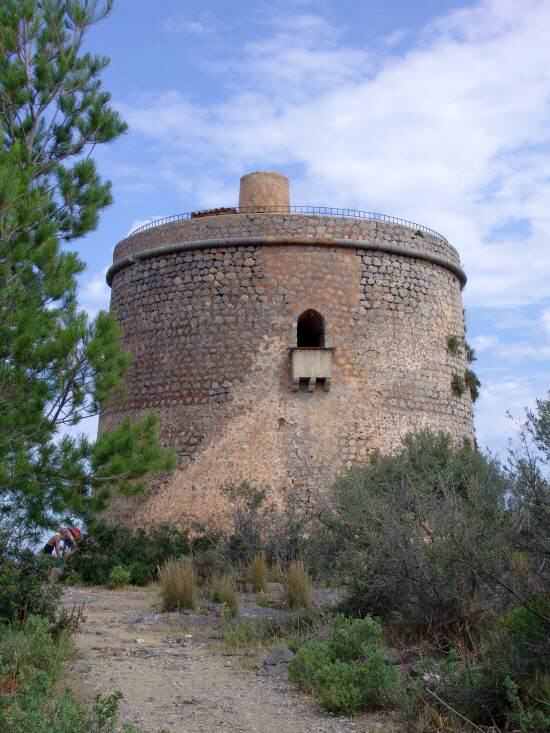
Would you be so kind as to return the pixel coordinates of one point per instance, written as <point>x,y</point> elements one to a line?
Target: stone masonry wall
<point>210,329</point>
<point>297,226</point>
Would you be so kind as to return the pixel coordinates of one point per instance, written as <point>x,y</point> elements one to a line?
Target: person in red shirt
<point>66,535</point>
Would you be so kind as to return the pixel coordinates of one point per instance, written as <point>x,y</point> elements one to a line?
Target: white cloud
<point>179,24</point>
<point>502,396</point>
<point>95,294</point>
<point>87,427</point>
<point>545,320</point>
<point>454,134</point>
<point>484,343</point>
<point>137,223</point>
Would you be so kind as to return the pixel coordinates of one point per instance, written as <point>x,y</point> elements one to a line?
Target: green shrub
<point>350,687</point>
<point>106,546</point>
<point>338,687</point>
<point>348,672</point>
<point>31,646</point>
<point>178,584</point>
<point>304,666</point>
<point>31,658</point>
<point>510,683</point>
<point>352,637</point>
<point>432,565</point>
<point>119,577</point>
<point>258,573</point>
<point>297,586</point>
<point>24,587</point>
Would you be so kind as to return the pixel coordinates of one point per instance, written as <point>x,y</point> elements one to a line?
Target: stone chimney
<point>262,191</point>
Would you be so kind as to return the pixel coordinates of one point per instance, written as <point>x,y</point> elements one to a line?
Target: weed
<point>457,385</point>
<point>472,382</point>
<point>258,574</point>
<point>119,577</point>
<point>224,592</point>
<point>242,636</point>
<point>248,662</point>
<point>275,573</point>
<point>30,698</point>
<point>178,584</point>
<point>263,633</point>
<point>297,586</point>
<point>453,345</point>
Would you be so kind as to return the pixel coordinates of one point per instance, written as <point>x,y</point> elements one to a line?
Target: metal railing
<point>318,210</point>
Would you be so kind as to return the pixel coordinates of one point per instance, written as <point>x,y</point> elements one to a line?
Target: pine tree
<point>56,367</point>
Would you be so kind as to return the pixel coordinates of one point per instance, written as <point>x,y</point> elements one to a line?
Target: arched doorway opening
<point>310,330</point>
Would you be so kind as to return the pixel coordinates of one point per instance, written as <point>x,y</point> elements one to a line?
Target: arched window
<point>311,330</point>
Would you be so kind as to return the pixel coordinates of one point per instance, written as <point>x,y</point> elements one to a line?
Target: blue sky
<point>438,112</point>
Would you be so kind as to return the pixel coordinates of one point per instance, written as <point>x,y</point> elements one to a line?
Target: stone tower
<point>280,344</point>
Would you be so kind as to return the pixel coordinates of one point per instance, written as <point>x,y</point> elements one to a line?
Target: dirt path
<point>176,676</point>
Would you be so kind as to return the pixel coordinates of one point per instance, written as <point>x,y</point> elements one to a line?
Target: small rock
<point>140,641</point>
<point>279,656</point>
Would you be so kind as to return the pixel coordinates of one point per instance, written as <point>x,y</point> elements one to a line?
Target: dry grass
<point>258,574</point>
<point>297,586</point>
<point>275,573</point>
<point>224,592</point>
<point>178,584</point>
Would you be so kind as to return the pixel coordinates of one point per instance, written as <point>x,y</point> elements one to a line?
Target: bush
<point>224,592</point>
<point>419,537</point>
<point>178,584</point>
<point>348,672</point>
<point>106,546</point>
<point>309,659</point>
<point>24,587</point>
<point>31,645</point>
<point>352,637</point>
<point>297,586</point>
<point>509,684</point>
<point>258,574</point>
<point>350,687</point>
<point>30,698</point>
<point>249,511</point>
<point>338,687</point>
<point>119,577</point>
<point>210,563</point>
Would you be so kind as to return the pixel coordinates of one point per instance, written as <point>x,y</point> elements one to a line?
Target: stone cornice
<point>374,245</point>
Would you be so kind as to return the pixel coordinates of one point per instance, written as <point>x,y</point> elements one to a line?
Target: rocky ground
<point>176,675</point>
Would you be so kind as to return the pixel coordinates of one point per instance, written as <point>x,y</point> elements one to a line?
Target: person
<point>66,535</point>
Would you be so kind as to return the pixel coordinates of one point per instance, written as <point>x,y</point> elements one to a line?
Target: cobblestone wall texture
<point>210,329</point>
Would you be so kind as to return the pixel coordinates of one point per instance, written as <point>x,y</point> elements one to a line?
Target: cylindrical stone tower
<point>281,344</point>
<point>260,189</point>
